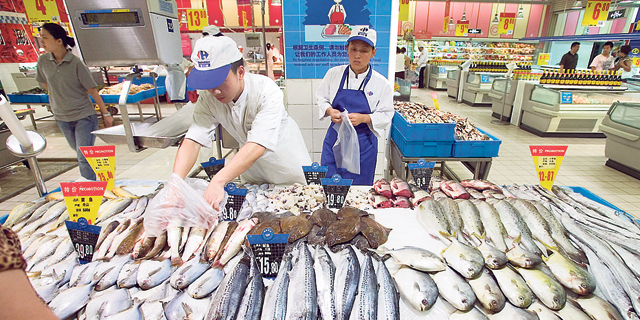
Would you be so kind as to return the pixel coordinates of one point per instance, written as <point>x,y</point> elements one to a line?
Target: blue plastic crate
<point>477,148</point>
<point>25,98</point>
<point>424,131</point>
<point>3,219</point>
<point>159,80</point>
<point>135,98</point>
<point>44,98</point>
<point>427,148</point>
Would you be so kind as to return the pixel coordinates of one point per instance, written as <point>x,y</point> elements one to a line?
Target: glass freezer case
<point>452,82</point>
<point>438,76</point>
<point>477,87</point>
<point>501,88</point>
<point>622,128</point>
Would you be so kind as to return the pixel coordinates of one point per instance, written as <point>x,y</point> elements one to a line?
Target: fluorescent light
<point>276,2</point>
<point>577,5</point>
<point>520,14</point>
<point>464,16</point>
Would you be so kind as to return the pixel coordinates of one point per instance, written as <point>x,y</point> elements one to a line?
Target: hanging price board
<point>636,62</point>
<point>403,13</point>
<point>507,23</point>
<point>543,59</point>
<point>462,28</point>
<point>212,166</point>
<point>595,12</point>
<point>42,10</point>
<point>234,201</point>
<point>102,161</point>
<point>335,190</point>
<point>268,249</point>
<point>547,160</point>
<point>83,199</point>
<point>197,19</point>
<point>84,238</point>
<point>314,173</point>
<point>434,97</point>
<point>421,173</point>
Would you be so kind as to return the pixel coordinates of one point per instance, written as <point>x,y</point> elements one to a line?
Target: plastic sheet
<point>176,82</point>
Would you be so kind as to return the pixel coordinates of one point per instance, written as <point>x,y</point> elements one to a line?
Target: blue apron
<point>354,101</point>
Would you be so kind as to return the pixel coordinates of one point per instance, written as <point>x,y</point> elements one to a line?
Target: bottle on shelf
<point>563,77</point>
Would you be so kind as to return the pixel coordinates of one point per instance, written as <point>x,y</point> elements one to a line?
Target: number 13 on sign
<point>197,19</point>
<point>507,23</point>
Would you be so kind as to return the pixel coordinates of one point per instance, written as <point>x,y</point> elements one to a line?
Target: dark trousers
<point>400,74</point>
<point>421,77</point>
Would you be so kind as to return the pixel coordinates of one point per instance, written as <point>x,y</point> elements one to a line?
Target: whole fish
<point>206,283</point>
<point>346,283</point>
<point>111,277</point>
<point>471,222</point>
<point>487,291</point>
<point>275,300</point>
<point>515,226</point>
<point>521,257</point>
<point>416,258</point>
<point>174,235</point>
<point>70,301</point>
<point>123,193</point>
<point>366,304</point>
<point>188,272</point>
<point>572,311</point>
<point>28,253</point>
<point>431,217</point>
<point>235,241</point>
<point>388,296</point>
<point>153,272</point>
<point>325,280</point>
<point>493,258</point>
<point>133,313</point>
<point>123,232</point>
<point>454,289</point>
<point>196,237</point>
<point>106,231</point>
<point>452,213</point>
<point>39,213</point>
<point>466,260</point>
<point>83,274</point>
<point>45,251</point>
<point>153,310</point>
<point>630,259</point>
<point>513,287</point>
<point>185,236</point>
<point>251,304</point>
<point>226,300</point>
<point>454,190</point>
<point>475,194</point>
<point>158,245</point>
<point>558,233</point>
<point>111,208</point>
<point>510,312</point>
<point>597,308</point>
<point>48,291</point>
<point>52,214</point>
<point>124,242</point>
<point>302,298</point>
<point>25,243</point>
<point>64,267</point>
<point>23,211</point>
<point>569,274</point>
<point>185,307</point>
<point>103,250</point>
<point>153,294</point>
<point>542,311</point>
<point>493,227</point>
<point>143,246</point>
<point>416,288</point>
<point>537,224</point>
<point>214,240</point>
<point>492,194</point>
<point>110,303</point>
<point>550,292</point>
<point>127,277</point>
<point>230,231</point>
<point>473,314</point>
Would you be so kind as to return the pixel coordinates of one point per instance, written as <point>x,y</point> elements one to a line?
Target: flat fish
<point>323,217</point>
<point>343,230</point>
<point>128,274</point>
<point>274,225</point>
<point>113,271</point>
<point>375,233</point>
<point>510,312</point>
<point>416,288</point>
<point>109,303</point>
<point>70,301</point>
<point>296,226</point>
<point>350,212</point>
<point>184,306</point>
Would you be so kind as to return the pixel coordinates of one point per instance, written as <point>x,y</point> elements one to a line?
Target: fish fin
<point>550,248</point>
<point>447,235</point>
<point>517,240</point>
<point>187,310</point>
<point>154,271</point>
<point>100,276</point>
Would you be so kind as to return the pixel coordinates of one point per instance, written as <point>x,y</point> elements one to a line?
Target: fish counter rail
<point>515,251</point>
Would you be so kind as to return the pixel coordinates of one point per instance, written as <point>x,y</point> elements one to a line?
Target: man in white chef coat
<point>251,108</point>
<point>422,63</point>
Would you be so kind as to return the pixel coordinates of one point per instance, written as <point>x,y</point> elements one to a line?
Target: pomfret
<point>416,258</point>
<point>542,311</point>
<point>417,288</point>
<point>156,293</point>
<point>388,296</point>
<point>597,308</point>
<point>111,277</point>
<point>346,282</point>
<point>128,274</point>
<point>550,292</point>
<point>275,300</point>
<point>487,291</point>
<point>454,289</point>
<point>70,301</point>
<point>493,227</point>
<point>325,280</point>
<point>473,314</point>
<point>64,267</point>
<point>466,260</point>
<point>133,313</point>
<point>82,274</point>
<point>513,287</point>
<point>206,283</point>
<point>108,304</point>
<point>48,291</point>
<point>185,307</point>
<point>509,312</point>
<point>493,258</point>
<point>569,274</point>
<point>153,272</point>
<point>431,217</point>
<point>188,272</point>
<point>302,298</point>
<point>226,300</point>
<point>152,310</point>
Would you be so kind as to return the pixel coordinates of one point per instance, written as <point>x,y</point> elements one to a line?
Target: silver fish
<point>106,230</point>
<point>128,274</point>
<point>515,226</point>
<point>23,211</point>
<point>275,300</point>
<point>302,298</point>
<point>572,311</point>
<point>416,288</point>
<point>196,237</point>
<point>416,258</point>
<point>133,313</point>
<point>495,231</point>
<point>153,272</point>
<point>570,274</point>
<point>112,207</point>
<point>64,267</point>
<point>25,243</point>
<point>558,233</point>
<point>521,257</point>
<point>62,252</point>
<point>473,314</point>
<point>107,304</point>
<point>39,213</point>
<point>325,281</point>
<point>510,312</point>
<point>226,300</point>
<point>45,251</point>
<point>487,291</point>
<point>471,222</point>
<point>83,274</point>
<point>152,310</point>
<point>454,289</point>
<point>346,283</point>
<point>493,258</point>
<point>597,308</point>
<point>550,292</point>
<point>48,291</point>
<point>111,277</point>
<point>69,301</point>
<point>174,234</point>
<point>366,304</point>
<point>431,217</point>
<point>251,304</point>
<point>468,261</point>
<point>185,307</point>
<point>156,293</point>
<point>206,283</point>
<point>513,287</point>
<point>535,221</point>
<point>542,311</point>
<point>35,246</point>
<point>388,297</point>
<point>188,272</point>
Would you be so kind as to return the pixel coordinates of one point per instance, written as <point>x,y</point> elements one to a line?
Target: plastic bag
<point>175,82</point>
<point>180,202</point>
<point>171,126</point>
<point>346,150</point>
<point>631,73</point>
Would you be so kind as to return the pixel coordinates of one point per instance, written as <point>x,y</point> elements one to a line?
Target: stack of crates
<point>422,139</point>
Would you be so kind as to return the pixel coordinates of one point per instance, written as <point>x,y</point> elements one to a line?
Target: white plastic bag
<point>179,203</point>
<point>175,82</point>
<point>346,150</point>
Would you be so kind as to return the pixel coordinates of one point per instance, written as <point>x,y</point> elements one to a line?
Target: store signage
<point>543,59</point>
<point>42,10</point>
<point>197,19</point>
<point>268,249</point>
<point>484,78</point>
<point>442,70</point>
<point>434,97</point>
<point>567,97</point>
<point>447,11</point>
<point>462,28</point>
<point>234,203</point>
<point>507,23</point>
<point>84,238</point>
<point>83,199</point>
<point>185,41</point>
<point>421,173</point>
<point>547,160</point>
<point>102,160</point>
<point>475,31</point>
<point>595,12</point>
<point>212,166</point>
<point>616,14</point>
<point>314,173</point>
<point>636,62</point>
<point>403,14</point>
<point>335,190</point>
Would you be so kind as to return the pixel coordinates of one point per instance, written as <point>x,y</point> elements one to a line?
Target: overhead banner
<point>244,13</point>
<point>16,44</point>
<point>316,33</point>
<point>596,12</point>
<point>214,13</point>
<point>275,14</point>
<point>403,13</point>
<point>447,12</point>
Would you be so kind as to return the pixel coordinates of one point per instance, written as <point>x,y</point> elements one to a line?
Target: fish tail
<point>176,261</point>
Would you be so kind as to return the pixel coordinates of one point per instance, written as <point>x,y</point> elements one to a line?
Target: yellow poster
<point>596,11</point>
<point>462,28</point>
<point>102,160</point>
<point>403,14</point>
<point>83,199</point>
<point>547,160</point>
<point>543,59</point>
<point>197,19</point>
<point>507,23</point>
<point>42,10</point>
<point>434,97</point>
<point>636,62</point>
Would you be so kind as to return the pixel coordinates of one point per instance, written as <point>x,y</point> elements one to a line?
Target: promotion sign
<point>434,97</point>
<point>42,10</point>
<point>462,28</point>
<point>102,160</point>
<point>547,160</point>
<point>543,59</point>
<point>403,14</point>
<point>636,62</point>
<point>447,11</point>
<point>212,167</point>
<point>83,199</point>
<point>197,19</point>
<point>507,23</point>
<point>84,238</point>
<point>595,12</point>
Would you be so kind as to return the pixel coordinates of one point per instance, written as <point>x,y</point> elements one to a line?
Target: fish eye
<point>521,298</point>
<point>582,285</point>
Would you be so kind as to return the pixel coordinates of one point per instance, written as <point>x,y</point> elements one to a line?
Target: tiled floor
<point>582,166</point>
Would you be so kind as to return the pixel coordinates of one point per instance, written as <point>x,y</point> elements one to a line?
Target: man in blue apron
<point>366,95</point>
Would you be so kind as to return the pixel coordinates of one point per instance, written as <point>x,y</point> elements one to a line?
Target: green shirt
<point>68,83</point>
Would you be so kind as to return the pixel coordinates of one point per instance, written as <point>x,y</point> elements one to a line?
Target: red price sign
<point>197,19</point>
<point>462,28</point>
<point>547,160</point>
<point>507,23</point>
<point>596,11</point>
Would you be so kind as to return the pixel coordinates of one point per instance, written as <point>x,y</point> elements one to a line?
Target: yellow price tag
<point>83,199</point>
<point>636,62</point>
<point>102,160</point>
<point>434,97</point>
<point>507,23</point>
<point>42,10</point>
<point>547,160</point>
<point>543,59</point>
<point>403,13</point>
<point>462,28</point>
<point>197,19</point>
<point>596,11</point>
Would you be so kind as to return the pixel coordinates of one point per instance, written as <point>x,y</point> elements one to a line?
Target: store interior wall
<point>239,38</point>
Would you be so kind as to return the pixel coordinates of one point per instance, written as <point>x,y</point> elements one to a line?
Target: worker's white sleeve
<point>324,96</point>
<point>204,124</point>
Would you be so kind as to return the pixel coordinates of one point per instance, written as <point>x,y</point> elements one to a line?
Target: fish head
<point>492,262</point>
<point>493,302</point>
<point>423,305</point>
<point>523,299</point>
<point>585,288</point>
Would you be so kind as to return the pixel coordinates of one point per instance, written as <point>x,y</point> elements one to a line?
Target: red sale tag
<point>83,199</point>
<point>547,160</point>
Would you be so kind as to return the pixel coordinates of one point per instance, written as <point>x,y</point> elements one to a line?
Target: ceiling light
<point>495,19</point>
<point>464,16</point>
<point>451,23</point>
<point>276,2</point>
<point>520,14</point>
<point>183,18</point>
<point>577,5</point>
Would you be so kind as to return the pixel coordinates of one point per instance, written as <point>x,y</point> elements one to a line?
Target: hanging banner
<point>547,160</point>
<point>214,13</point>
<point>507,23</point>
<point>462,28</point>
<point>595,12</point>
<point>244,13</point>
<point>275,14</point>
<point>42,10</point>
<point>83,199</point>
<point>447,11</point>
<point>403,13</point>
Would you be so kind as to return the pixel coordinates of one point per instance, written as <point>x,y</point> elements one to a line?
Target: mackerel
<point>302,298</point>
<point>535,221</point>
<point>558,233</point>
<point>252,301</point>
<point>388,296</point>
<point>366,304</point>
<point>346,283</point>
<point>325,280</point>
<point>226,300</point>
<point>275,300</point>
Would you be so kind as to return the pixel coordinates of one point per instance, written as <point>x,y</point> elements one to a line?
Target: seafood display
<point>117,88</point>
<point>416,112</point>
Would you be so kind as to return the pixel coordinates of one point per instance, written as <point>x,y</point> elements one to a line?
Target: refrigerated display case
<point>477,87</point>
<point>571,112</point>
<point>502,95</point>
<point>438,76</point>
<point>621,125</point>
<point>453,77</point>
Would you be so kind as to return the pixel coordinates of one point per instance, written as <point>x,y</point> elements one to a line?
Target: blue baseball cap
<point>365,34</point>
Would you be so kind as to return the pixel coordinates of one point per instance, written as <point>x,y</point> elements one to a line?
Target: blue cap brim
<point>365,39</point>
<point>207,79</point>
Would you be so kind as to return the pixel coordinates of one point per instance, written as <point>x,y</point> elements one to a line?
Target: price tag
<point>484,78</point>
<point>636,62</point>
<point>268,248</point>
<point>103,161</point>
<point>434,97</point>
<point>335,190</point>
<point>543,59</point>
<point>314,173</point>
<point>595,12</point>
<point>234,201</point>
<point>462,28</point>
<point>197,19</point>
<point>84,238</point>
<point>421,173</point>
<point>567,97</point>
<point>212,166</point>
<point>403,13</point>
<point>547,160</point>
<point>83,199</point>
<point>42,10</point>
<point>507,23</point>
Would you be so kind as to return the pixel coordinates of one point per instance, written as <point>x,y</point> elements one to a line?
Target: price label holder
<point>268,249</point>
<point>84,238</point>
<point>83,199</point>
<point>567,97</point>
<point>314,173</point>
<point>596,13</point>
<point>462,28</point>
<point>234,201</point>
<point>102,161</point>
<point>547,160</point>
<point>507,23</point>
<point>212,167</point>
<point>336,190</point>
<point>484,78</point>
<point>197,19</point>
<point>421,173</point>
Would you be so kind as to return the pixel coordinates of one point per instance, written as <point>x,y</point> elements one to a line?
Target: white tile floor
<point>583,165</point>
